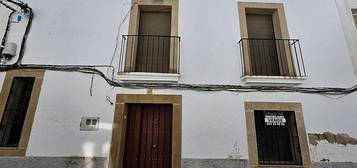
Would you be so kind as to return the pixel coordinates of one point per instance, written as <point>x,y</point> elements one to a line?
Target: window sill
<point>273,80</point>
<point>149,77</point>
<point>12,151</point>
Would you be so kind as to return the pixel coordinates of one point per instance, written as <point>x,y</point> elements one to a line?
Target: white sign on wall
<point>274,119</point>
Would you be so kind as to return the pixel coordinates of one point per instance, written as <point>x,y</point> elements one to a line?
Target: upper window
<point>354,14</point>
<point>152,44</point>
<point>266,48</point>
<point>19,95</point>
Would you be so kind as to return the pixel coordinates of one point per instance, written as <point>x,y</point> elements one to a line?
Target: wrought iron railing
<point>150,53</point>
<point>272,57</point>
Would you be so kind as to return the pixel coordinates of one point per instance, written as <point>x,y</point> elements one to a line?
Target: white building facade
<point>178,83</point>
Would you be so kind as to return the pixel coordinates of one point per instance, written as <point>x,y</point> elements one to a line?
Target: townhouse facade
<point>178,83</point>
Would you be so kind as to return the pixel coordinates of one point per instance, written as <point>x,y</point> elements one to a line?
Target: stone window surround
<point>280,27</point>
<point>149,5</point>
<point>250,107</point>
<point>31,109</point>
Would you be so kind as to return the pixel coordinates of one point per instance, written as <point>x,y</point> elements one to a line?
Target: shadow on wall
<point>90,157</point>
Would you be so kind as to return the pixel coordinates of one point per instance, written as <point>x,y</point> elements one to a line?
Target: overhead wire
<point>27,10</point>
<point>7,6</point>
<point>117,37</point>
<point>182,86</point>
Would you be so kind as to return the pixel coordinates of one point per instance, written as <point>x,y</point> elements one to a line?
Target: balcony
<point>272,61</point>
<point>150,58</point>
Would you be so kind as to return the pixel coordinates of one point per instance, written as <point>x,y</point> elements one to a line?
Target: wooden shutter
<point>153,49</point>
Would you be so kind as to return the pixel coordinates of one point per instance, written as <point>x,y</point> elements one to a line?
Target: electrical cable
<point>27,30</point>
<point>7,6</point>
<point>91,86</point>
<point>3,40</point>
<point>21,5</point>
<point>28,11</point>
<point>182,86</point>
<point>117,37</point>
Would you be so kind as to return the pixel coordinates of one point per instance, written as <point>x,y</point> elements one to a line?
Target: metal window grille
<point>271,57</point>
<point>15,111</point>
<point>150,53</point>
<point>277,138</point>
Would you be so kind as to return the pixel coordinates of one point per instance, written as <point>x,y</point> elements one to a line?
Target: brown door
<point>148,136</point>
<point>262,48</point>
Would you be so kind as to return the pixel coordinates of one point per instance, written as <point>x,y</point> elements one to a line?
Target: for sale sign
<point>274,119</point>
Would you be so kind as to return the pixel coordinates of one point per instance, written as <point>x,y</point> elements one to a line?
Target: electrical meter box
<point>89,124</point>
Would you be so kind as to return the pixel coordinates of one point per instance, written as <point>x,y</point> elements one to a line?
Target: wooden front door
<point>148,136</point>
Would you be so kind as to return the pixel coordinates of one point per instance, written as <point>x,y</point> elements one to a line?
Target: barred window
<point>13,119</point>
<point>277,138</point>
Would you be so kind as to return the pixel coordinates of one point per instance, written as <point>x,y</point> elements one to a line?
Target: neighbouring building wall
<point>348,26</point>
<point>213,123</point>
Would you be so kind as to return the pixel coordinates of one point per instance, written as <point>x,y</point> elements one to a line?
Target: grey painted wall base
<point>335,164</point>
<point>214,163</point>
<point>226,163</point>
<point>52,162</point>
<point>100,162</point>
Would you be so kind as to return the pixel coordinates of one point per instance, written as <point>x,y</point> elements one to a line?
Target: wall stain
<point>235,153</point>
<point>339,138</point>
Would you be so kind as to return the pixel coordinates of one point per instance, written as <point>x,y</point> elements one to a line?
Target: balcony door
<point>153,49</point>
<point>262,48</point>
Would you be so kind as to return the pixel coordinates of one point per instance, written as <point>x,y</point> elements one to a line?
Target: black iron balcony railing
<point>272,57</point>
<point>150,53</point>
